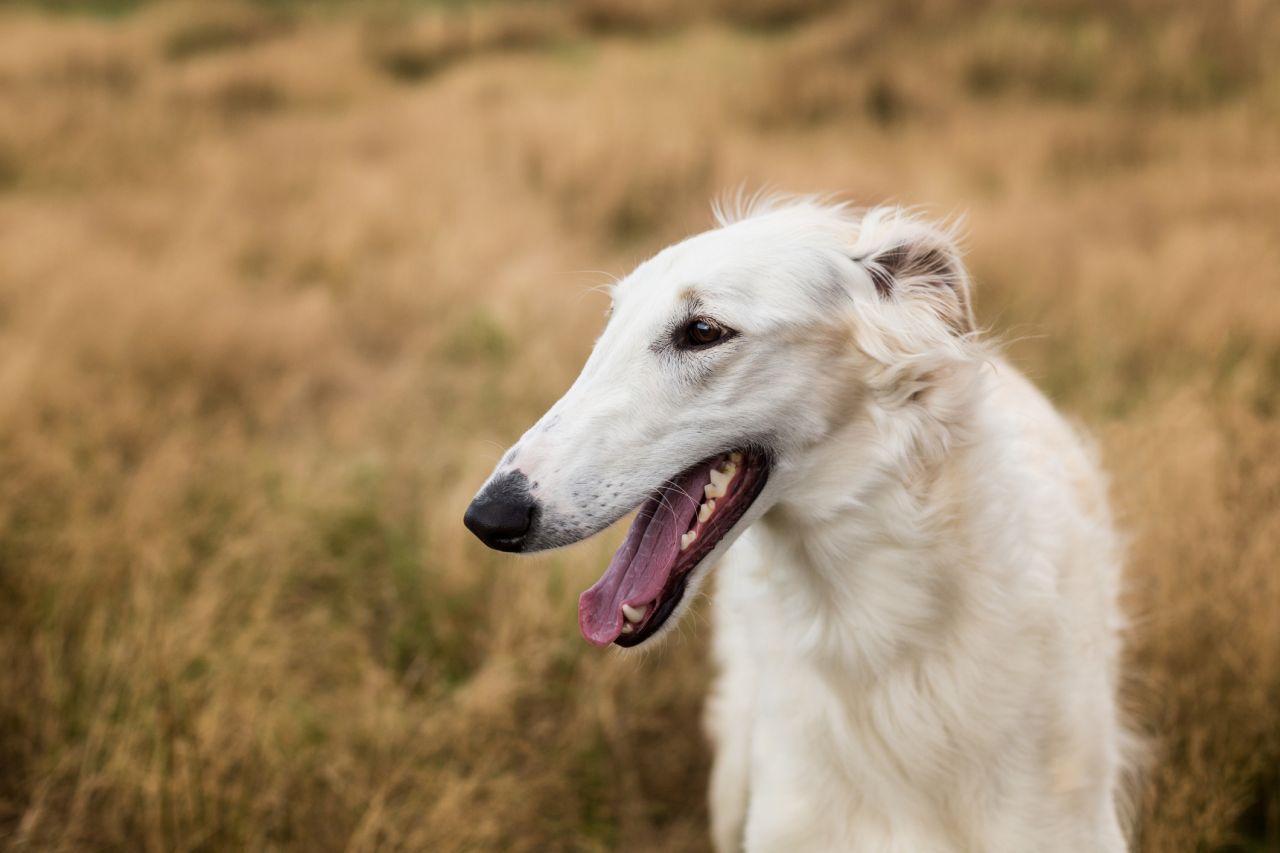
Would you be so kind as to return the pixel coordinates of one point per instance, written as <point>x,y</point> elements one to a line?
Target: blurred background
<point>279,280</point>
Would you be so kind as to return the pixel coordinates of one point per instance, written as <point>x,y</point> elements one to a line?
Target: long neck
<point>866,569</point>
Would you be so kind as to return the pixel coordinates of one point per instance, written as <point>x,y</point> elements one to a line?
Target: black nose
<point>502,514</point>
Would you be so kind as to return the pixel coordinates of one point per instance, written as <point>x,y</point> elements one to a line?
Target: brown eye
<point>701,333</point>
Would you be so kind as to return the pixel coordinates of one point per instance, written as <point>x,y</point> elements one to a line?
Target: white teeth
<point>711,490</point>
<point>626,628</point>
<point>704,511</point>
<point>688,539</point>
<point>634,614</point>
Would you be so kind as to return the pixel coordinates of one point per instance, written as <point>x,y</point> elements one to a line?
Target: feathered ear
<point>912,261</point>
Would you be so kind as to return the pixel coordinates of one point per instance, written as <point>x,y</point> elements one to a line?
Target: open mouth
<point>675,529</point>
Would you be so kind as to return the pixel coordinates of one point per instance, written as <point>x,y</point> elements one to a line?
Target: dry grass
<point>272,295</point>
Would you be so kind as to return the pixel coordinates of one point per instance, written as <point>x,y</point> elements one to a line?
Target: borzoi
<point>917,628</point>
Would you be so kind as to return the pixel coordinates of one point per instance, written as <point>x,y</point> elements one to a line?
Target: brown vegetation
<point>276,286</point>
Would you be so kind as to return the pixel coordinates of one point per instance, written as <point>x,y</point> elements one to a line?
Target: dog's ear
<point>912,262</point>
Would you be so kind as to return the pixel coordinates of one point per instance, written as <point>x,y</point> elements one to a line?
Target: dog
<point>917,623</point>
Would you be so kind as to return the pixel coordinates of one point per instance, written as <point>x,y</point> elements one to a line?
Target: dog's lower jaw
<point>906,672</point>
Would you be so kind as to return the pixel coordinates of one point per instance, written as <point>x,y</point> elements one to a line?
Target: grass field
<point>278,282</point>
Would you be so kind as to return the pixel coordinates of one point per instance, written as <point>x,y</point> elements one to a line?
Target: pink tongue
<point>640,568</point>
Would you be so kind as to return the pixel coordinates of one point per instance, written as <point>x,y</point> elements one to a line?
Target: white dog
<point>918,630</point>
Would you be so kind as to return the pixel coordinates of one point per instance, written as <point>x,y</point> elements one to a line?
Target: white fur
<point>918,634</point>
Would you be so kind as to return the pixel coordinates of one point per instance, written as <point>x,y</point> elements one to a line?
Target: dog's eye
<point>699,333</point>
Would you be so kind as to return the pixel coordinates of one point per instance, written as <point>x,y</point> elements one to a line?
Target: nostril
<point>502,515</point>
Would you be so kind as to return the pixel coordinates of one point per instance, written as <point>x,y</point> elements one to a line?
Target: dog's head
<point>727,363</point>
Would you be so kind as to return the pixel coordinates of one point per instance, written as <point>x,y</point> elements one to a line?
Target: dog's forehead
<point>736,265</point>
